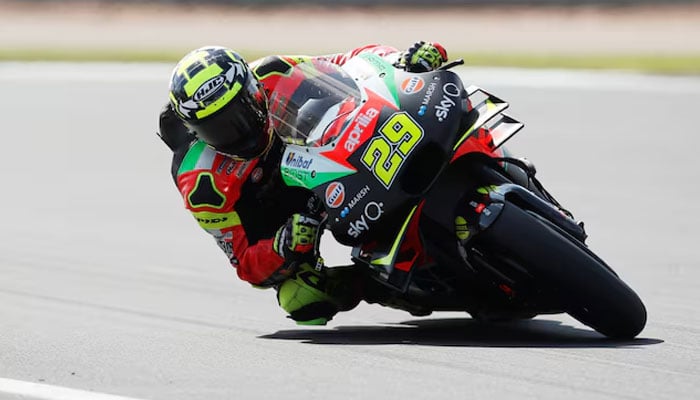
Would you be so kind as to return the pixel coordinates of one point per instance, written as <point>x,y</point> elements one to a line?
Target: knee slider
<point>304,298</point>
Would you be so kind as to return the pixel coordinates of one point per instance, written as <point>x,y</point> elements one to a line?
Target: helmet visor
<point>241,128</point>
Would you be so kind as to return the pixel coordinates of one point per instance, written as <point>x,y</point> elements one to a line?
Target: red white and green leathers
<point>243,203</point>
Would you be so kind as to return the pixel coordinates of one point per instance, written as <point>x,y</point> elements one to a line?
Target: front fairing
<point>371,140</point>
<point>310,106</point>
<point>367,138</point>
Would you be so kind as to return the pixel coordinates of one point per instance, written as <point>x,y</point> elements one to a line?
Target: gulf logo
<point>412,85</point>
<point>335,195</point>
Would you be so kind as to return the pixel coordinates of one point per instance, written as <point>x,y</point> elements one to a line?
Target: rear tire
<point>586,287</point>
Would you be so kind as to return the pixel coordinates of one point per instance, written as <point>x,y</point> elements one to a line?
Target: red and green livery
<point>409,171</point>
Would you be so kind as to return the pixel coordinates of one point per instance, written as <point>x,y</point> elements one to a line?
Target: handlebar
<point>451,64</point>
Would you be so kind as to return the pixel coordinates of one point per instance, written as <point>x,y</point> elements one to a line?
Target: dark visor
<point>240,128</point>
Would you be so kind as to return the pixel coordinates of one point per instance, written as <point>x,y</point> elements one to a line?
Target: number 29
<point>386,153</point>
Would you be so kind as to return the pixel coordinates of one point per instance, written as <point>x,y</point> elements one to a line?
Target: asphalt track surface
<point>107,285</point>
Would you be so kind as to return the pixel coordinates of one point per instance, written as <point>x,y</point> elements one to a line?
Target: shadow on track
<point>461,332</point>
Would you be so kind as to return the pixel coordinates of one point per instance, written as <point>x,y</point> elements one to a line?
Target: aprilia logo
<point>361,122</point>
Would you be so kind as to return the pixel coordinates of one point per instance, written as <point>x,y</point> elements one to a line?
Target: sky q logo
<point>450,92</point>
<point>372,212</point>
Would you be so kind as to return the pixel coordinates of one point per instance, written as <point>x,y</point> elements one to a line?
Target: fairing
<point>314,104</point>
<point>371,140</point>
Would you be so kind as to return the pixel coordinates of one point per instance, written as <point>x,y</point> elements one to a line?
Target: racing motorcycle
<point>409,170</point>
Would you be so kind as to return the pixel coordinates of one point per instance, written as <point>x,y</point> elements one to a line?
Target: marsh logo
<point>426,99</point>
<point>353,202</point>
<point>209,87</point>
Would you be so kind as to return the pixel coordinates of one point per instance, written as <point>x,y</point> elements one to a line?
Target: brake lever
<point>454,63</point>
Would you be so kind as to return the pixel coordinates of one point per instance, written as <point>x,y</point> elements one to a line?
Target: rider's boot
<point>312,297</point>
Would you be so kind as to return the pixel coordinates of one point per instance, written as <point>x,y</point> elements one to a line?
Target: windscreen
<point>313,104</point>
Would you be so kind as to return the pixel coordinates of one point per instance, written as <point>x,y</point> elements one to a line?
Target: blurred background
<point>650,35</point>
<point>108,285</point>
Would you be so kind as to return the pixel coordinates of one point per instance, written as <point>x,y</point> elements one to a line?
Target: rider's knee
<point>311,297</point>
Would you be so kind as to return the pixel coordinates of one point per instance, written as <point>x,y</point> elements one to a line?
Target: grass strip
<point>680,64</point>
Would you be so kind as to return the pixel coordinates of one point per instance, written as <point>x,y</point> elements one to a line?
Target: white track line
<point>31,390</point>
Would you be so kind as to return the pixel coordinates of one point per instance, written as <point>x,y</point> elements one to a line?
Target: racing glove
<point>296,238</point>
<point>424,56</point>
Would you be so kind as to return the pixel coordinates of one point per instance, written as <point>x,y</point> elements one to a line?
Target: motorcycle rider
<point>226,166</point>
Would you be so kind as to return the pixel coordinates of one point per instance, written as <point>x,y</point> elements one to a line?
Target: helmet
<point>219,99</point>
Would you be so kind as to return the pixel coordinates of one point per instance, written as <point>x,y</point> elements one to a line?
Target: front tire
<point>586,287</point>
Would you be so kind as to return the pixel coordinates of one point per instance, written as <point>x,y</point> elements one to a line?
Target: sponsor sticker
<point>412,85</point>
<point>209,87</point>
<point>298,161</point>
<point>450,92</point>
<point>373,211</point>
<point>335,194</point>
<point>426,98</point>
<point>361,122</point>
<point>256,175</point>
<point>353,202</point>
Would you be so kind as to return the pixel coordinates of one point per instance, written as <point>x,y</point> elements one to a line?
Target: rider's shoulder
<point>275,65</point>
<point>201,159</point>
<point>210,180</point>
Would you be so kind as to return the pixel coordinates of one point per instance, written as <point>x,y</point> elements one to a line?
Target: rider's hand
<point>297,237</point>
<point>424,56</point>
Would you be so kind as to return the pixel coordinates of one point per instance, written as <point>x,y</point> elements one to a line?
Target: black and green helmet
<point>220,100</point>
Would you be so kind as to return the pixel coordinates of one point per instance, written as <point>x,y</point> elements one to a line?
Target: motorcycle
<point>409,170</point>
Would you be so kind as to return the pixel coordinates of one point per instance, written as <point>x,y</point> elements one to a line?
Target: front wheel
<point>586,287</point>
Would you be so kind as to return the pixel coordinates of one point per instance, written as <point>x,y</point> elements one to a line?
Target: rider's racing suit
<point>243,203</point>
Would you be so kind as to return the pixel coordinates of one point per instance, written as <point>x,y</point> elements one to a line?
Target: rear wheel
<point>584,285</point>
